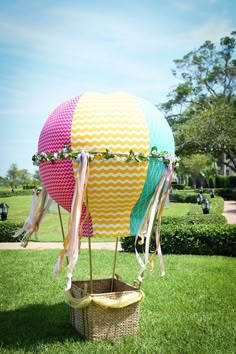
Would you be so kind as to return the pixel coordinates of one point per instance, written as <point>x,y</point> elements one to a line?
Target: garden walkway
<point>229,213</point>
<point>57,245</point>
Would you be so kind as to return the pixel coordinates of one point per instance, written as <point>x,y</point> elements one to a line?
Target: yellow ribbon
<point>121,300</point>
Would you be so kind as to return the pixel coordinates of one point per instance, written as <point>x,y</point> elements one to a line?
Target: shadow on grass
<point>32,325</point>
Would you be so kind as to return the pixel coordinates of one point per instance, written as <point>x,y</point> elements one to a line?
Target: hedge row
<point>216,204</point>
<point>220,182</point>
<point>226,193</point>
<point>29,187</point>
<point>178,186</point>
<point>7,229</point>
<point>225,182</point>
<point>194,219</point>
<point>184,196</point>
<point>192,239</point>
<point>5,194</point>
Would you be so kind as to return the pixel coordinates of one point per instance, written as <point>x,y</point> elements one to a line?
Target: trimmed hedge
<point>216,207</point>
<point>225,193</point>
<point>178,186</point>
<point>194,219</point>
<point>192,239</point>
<point>29,187</point>
<point>194,233</point>
<point>200,239</point>
<point>225,181</point>
<point>7,229</point>
<point>183,197</point>
<point>216,204</point>
<point>5,194</point>
<point>190,197</point>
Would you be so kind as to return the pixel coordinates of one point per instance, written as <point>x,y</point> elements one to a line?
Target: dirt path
<point>230,211</point>
<point>57,245</point>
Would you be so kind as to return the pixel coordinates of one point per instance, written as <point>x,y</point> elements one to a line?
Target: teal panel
<point>160,133</point>
<point>155,171</point>
<point>161,136</point>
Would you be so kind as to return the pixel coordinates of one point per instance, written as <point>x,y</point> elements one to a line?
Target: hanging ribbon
<point>149,220</point>
<point>72,241</point>
<point>40,204</point>
<point>154,212</point>
<point>161,206</point>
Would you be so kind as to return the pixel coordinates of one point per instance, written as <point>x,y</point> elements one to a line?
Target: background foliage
<point>202,107</point>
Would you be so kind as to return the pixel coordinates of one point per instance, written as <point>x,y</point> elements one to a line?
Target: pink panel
<point>59,181</point>
<point>58,178</point>
<point>57,129</point>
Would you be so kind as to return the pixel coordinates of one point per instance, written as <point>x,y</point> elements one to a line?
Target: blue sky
<point>53,50</point>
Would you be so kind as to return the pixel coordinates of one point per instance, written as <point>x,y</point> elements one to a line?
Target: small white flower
<point>154,152</point>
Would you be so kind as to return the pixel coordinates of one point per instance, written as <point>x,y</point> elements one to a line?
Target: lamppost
<point>4,211</point>
<point>201,190</point>
<point>205,206</point>
<point>199,198</point>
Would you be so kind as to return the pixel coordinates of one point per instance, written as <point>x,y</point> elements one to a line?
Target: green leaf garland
<point>67,153</point>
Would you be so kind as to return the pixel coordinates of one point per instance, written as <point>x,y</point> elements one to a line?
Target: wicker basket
<point>98,323</point>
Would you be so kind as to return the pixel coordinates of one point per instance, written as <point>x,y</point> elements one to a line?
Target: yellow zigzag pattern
<point>116,122</point>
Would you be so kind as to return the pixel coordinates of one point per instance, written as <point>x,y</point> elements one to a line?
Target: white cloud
<point>111,54</point>
<point>89,38</point>
<point>213,29</point>
<point>98,52</point>
<point>184,5</point>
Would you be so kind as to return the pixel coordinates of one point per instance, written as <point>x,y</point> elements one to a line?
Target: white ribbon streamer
<point>76,210</point>
<point>152,209</point>
<point>39,207</point>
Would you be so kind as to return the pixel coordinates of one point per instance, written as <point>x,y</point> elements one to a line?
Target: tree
<point>2,181</point>
<point>206,75</point>
<point>12,175</point>
<point>24,177</point>
<point>212,131</point>
<point>209,172</point>
<point>37,178</point>
<point>194,166</point>
<point>202,107</point>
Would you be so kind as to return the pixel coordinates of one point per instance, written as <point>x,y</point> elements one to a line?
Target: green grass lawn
<point>190,310</point>
<point>50,229</point>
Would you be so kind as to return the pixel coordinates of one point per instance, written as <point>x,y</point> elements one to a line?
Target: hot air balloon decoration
<point>107,159</point>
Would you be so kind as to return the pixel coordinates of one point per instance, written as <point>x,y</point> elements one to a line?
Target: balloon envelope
<point>118,192</point>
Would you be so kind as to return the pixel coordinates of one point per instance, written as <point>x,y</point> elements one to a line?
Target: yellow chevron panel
<point>109,121</point>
